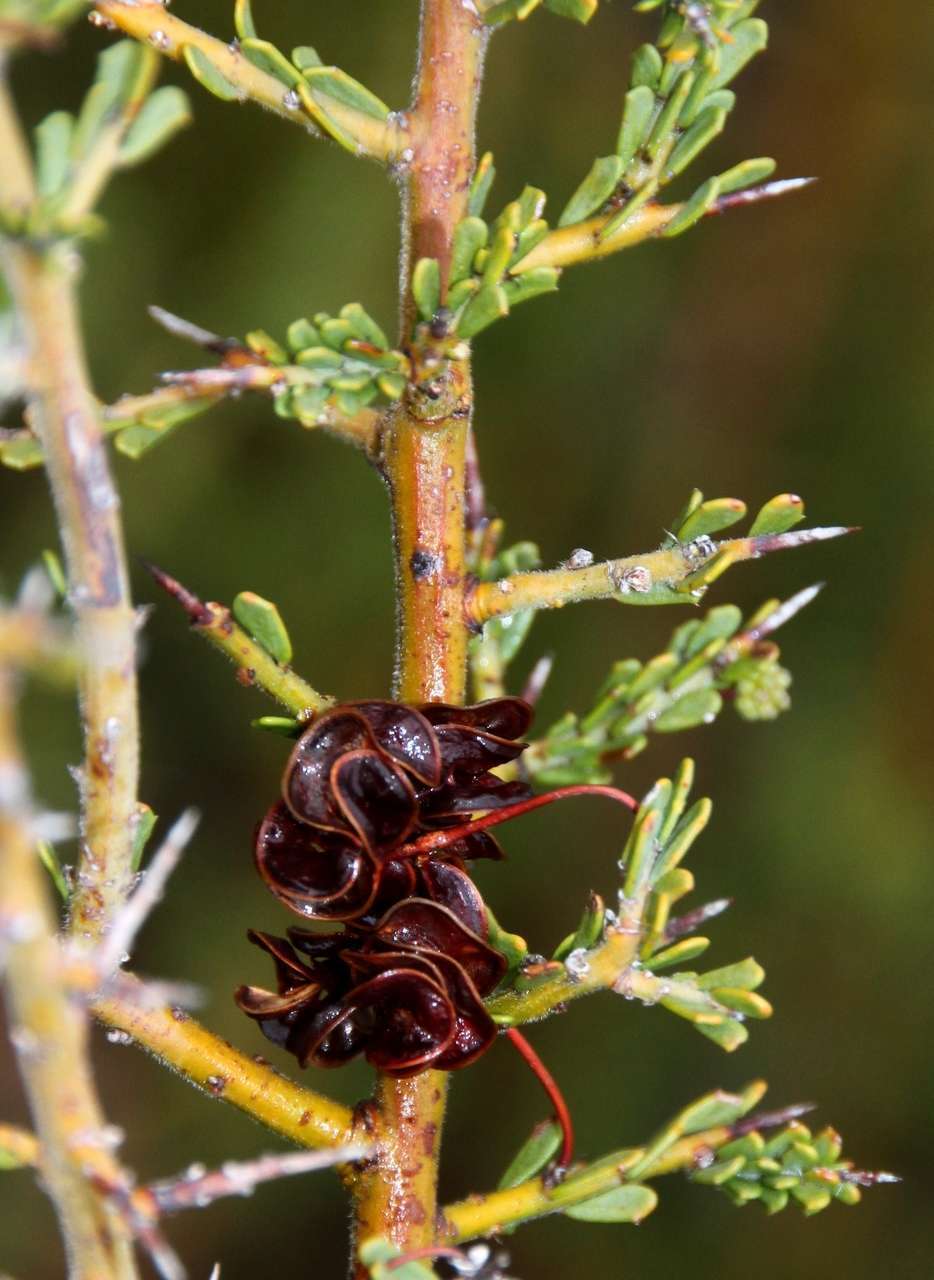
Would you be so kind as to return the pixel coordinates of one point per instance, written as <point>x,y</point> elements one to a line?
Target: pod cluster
<point>369,835</point>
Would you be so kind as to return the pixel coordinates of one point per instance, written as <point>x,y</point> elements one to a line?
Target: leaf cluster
<point>120,123</point>
<point>707,660</point>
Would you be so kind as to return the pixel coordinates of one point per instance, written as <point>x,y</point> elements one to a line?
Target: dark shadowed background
<point>784,347</point>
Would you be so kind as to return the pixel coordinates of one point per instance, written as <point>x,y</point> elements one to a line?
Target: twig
<point>209,1063</point>
<point>254,665</point>
<point>657,577</point>
<point>97,166</point>
<point>584,241</point>
<point>195,1187</point>
<point>481,1214</point>
<point>151,24</point>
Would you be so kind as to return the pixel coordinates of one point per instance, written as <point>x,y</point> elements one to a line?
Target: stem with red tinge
<point>550,1085</point>
<point>433,840</point>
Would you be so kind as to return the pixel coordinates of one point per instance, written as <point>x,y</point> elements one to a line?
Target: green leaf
<point>748,39</point>
<point>426,286</point>
<point>694,209</point>
<point>647,67</point>
<point>510,945</point>
<point>579,10</point>
<point>208,75</point>
<point>506,10</point>
<point>530,284</point>
<point>161,116</point>
<point>715,1175</point>
<point>701,706</point>
<point>664,131</point>
<point>746,974</point>
<point>628,1203</point>
<point>49,859</point>
<point>53,152</point>
<point>480,185</point>
<point>331,82</point>
<point>748,173</point>
<point>710,517</point>
<point>305,57</point>
<point>22,454</point>
<point>778,515</point>
<point>363,325</point>
<point>243,20</point>
<point>531,205</point>
<point>264,623</point>
<point>263,54</point>
<point>708,125</point>
<point>729,1035</point>
<point>143,821</point>
<point>494,260</point>
<point>533,1155</point>
<point>56,574</point>
<point>302,334</point>
<point>392,385</point>
<point>638,112</point>
<point>680,953</point>
<point>376,1252</point>
<point>741,1001</point>
<point>487,305</point>
<point>285,726</point>
<point>594,191</point>
<point>711,1110</point>
<point>588,933</point>
<point>470,236</point>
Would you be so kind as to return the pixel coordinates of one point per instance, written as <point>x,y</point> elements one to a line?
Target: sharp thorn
<point>197,611</point>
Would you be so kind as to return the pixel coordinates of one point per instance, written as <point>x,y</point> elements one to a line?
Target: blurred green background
<point>784,347</point>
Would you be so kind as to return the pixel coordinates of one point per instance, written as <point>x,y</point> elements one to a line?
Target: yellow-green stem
<point>481,1215</point>
<point>49,1032</point>
<point>211,1064</point>
<point>65,418</point>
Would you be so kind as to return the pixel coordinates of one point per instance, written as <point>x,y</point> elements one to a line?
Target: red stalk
<point>550,1085</point>
<point>441,839</point>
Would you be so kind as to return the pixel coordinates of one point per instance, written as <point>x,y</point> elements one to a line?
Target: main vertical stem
<point>424,450</point>
<point>65,418</point>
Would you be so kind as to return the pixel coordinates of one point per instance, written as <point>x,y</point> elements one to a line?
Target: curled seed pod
<point>407,993</point>
<point>367,776</point>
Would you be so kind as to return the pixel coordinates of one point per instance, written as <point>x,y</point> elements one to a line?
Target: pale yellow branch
<point>670,575</point>
<point>211,1064</point>
<point>49,1033</point>
<point>566,246</point>
<point>481,1215</point>
<point>65,418</point>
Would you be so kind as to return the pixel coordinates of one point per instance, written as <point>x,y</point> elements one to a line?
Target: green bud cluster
<point>792,1166</point>
<point>344,361</point>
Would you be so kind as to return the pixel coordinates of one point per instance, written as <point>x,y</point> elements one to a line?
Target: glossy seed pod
<point>368,776</point>
<point>406,993</point>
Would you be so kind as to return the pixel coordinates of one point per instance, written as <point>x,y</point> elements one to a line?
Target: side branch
<point>481,1215</point>
<point>255,665</point>
<point>586,241</point>
<point>150,23</point>
<point>672,575</point>
<point>211,1064</point>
